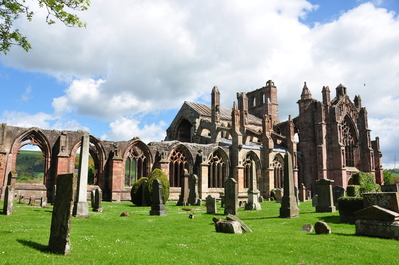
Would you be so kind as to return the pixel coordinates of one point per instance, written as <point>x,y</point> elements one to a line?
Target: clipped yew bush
<point>353,190</point>
<point>157,174</point>
<point>137,193</point>
<point>347,208</point>
<point>366,182</point>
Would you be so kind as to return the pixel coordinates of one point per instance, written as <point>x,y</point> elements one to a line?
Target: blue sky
<point>131,69</point>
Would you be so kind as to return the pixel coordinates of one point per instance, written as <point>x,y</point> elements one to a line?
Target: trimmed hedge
<point>353,190</point>
<point>366,182</point>
<point>157,174</point>
<point>347,208</point>
<point>136,192</point>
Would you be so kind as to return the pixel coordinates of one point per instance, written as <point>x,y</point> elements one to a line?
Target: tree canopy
<point>10,10</point>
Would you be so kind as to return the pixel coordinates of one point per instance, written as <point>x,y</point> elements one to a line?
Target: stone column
<point>289,207</point>
<point>81,208</point>
<point>325,200</point>
<point>183,199</point>
<point>62,214</point>
<point>253,192</point>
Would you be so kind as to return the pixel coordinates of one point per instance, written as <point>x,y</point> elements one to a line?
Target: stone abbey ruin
<point>327,140</point>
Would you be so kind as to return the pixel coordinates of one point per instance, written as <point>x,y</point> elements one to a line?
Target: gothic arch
<point>278,168</point>
<point>251,156</point>
<point>137,160</point>
<point>218,169</point>
<point>180,158</point>
<point>30,137</point>
<point>183,132</point>
<point>349,139</point>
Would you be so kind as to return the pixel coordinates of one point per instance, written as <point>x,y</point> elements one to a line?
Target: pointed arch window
<point>349,143</point>
<point>247,170</point>
<point>177,163</point>
<point>278,174</point>
<point>217,171</point>
<point>136,165</point>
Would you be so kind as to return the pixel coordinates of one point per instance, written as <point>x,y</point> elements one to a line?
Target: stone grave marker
<point>92,198</point>
<point>253,192</point>
<point>338,192</point>
<point>307,228</point>
<point>43,202</point>
<point>157,207</point>
<point>321,227</point>
<point>387,200</point>
<point>81,208</point>
<point>211,204</point>
<point>59,241</point>
<point>183,197</point>
<point>32,200</point>
<point>230,197</point>
<point>193,197</point>
<point>98,200</point>
<point>315,199</point>
<point>232,227</point>
<point>243,225</point>
<point>289,207</point>
<point>325,201</point>
<point>279,194</point>
<point>9,200</point>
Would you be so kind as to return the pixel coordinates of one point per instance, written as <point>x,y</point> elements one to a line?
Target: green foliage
<point>90,176</point>
<point>11,10</point>
<point>353,190</point>
<point>366,182</point>
<point>30,166</point>
<point>388,178</point>
<point>157,174</point>
<point>136,192</point>
<point>348,206</point>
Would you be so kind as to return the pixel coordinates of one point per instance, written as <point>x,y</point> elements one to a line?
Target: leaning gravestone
<point>243,225</point>
<point>157,207</point>
<point>289,207</point>
<point>211,204</point>
<point>193,197</point>
<point>230,196</point>
<point>253,192</point>
<point>325,201</point>
<point>59,242</point>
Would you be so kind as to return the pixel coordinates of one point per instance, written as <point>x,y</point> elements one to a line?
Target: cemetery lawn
<point>107,238</point>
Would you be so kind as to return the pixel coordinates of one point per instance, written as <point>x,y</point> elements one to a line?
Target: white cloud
<point>124,129</point>
<point>22,119</point>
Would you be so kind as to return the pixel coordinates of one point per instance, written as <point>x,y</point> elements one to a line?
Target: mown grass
<point>107,238</point>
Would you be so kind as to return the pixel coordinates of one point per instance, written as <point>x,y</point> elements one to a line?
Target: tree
<point>10,10</point>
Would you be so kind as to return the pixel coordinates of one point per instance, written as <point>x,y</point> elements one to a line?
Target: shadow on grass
<point>330,219</point>
<point>34,245</point>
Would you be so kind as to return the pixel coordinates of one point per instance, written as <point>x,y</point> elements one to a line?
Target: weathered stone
<point>124,214</point>
<point>183,198</point>
<point>230,196</point>
<point>211,205</point>
<point>279,195</point>
<point>321,227</point>
<point>12,178</point>
<point>315,199</point>
<point>157,207</point>
<point>338,192</point>
<point>32,201</point>
<point>98,201</point>
<point>8,200</point>
<point>253,192</point>
<point>81,208</point>
<point>193,196</point>
<point>93,200</point>
<point>59,241</point>
<point>307,228</point>
<point>216,219</point>
<point>191,216</point>
<point>43,202</point>
<point>261,199</point>
<point>302,193</point>
<point>377,213</point>
<point>232,227</point>
<point>387,200</point>
<point>243,225</point>
<point>325,201</point>
<point>289,207</point>
<point>377,228</point>
<point>390,188</point>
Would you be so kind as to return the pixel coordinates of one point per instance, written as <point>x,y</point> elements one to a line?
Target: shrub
<point>353,190</point>
<point>157,174</point>
<point>388,178</point>
<point>347,208</point>
<point>366,182</point>
<point>136,192</point>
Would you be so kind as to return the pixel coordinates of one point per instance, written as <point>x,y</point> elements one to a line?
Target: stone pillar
<point>325,201</point>
<point>203,180</point>
<point>289,207</point>
<point>230,197</point>
<point>240,178</point>
<point>253,192</point>
<point>183,199</point>
<point>193,198</point>
<point>62,214</point>
<point>81,208</point>
<point>157,207</point>
<point>302,192</point>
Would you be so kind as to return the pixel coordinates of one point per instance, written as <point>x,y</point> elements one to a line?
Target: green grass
<point>106,238</point>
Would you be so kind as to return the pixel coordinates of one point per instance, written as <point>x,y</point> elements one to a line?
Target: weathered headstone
<point>253,192</point>
<point>32,200</point>
<point>9,200</point>
<point>338,192</point>
<point>81,208</point>
<point>289,207</point>
<point>59,241</point>
<point>387,200</point>
<point>157,207</point>
<point>43,202</point>
<point>211,204</point>
<point>296,192</point>
<point>193,197</point>
<point>315,199</point>
<point>230,196</point>
<point>93,198</point>
<point>183,197</point>
<point>98,200</point>
<point>307,228</point>
<point>243,225</point>
<point>321,227</point>
<point>21,199</point>
<point>302,193</point>
<point>279,195</point>
<point>232,227</point>
<point>261,199</point>
<point>325,201</point>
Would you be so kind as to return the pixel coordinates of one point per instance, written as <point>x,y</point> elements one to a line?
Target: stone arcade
<point>327,140</point>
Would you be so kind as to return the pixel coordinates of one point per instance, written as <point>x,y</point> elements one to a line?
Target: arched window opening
<point>278,174</point>
<point>184,131</point>
<point>349,142</point>
<point>247,171</point>
<point>135,166</point>
<point>217,171</point>
<point>30,164</point>
<point>177,163</point>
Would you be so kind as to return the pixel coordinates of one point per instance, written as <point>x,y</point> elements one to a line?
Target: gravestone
<point>302,193</point>
<point>97,200</point>
<point>21,199</point>
<point>230,197</point>
<point>387,200</point>
<point>338,192</point>
<point>321,227</point>
<point>243,225</point>
<point>296,192</point>
<point>8,207</point>
<point>193,197</point>
<point>253,192</point>
<point>92,198</point>
<point>232,227</point>
<point>211,204</point>
<point>261,199</point>
<point>43,202</point>
<point>157,207</point>
<point>32,200</point>
<point>183,197</point>
<point>289,207</point>
<point>59,241</point>
<point>279,194</point>
<point>81,208</point>
<point>307,228</point>
<point>325,201</point>
<point>315,199</point>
